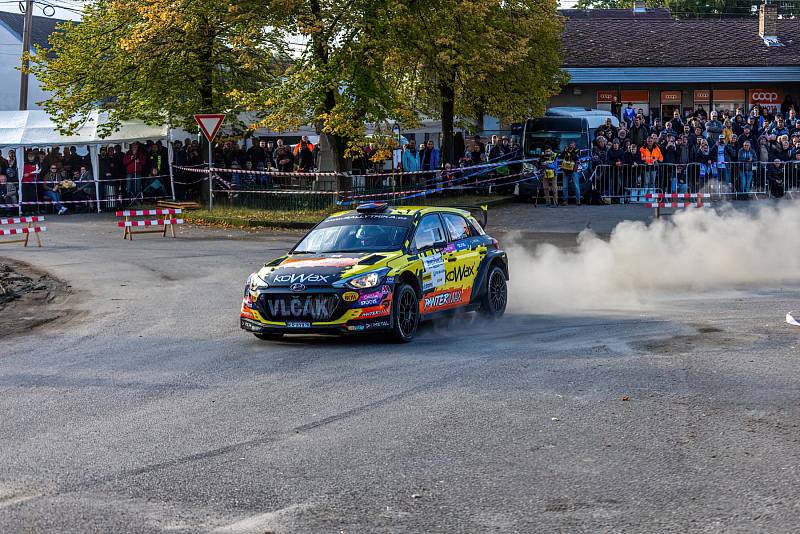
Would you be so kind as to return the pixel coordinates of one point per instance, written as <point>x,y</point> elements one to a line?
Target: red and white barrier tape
<point>89,201</point>
<point>18,231</point>
<point>8,206</point>
<point>21,220</point>
<point>274,192</point>
<point>140,213</point>
<point>156,222</point>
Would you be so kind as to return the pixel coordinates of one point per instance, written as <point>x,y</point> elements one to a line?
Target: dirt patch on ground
<point>29,298</point>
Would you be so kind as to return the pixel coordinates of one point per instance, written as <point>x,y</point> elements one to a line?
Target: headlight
<point>366,281</point>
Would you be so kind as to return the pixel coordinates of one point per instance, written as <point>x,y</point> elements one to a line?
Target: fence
<point>108,194</point>
<point>742,180</point>
<point>323,191</point>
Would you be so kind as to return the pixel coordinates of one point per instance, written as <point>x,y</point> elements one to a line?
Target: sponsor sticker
<point>350,296</point>
<point>442,299</point>
<point>375,313</point>
<point>298,324</point>
<point>460,273</point>
<point>435,266</point>
<point>302,278</point>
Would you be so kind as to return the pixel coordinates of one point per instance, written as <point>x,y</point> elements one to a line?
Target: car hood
<point>322,269</point>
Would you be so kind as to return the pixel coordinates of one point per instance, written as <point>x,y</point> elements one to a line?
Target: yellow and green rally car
<point>378,268</point>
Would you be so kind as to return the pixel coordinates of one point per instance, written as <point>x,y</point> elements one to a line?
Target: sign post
<point>210,124</point>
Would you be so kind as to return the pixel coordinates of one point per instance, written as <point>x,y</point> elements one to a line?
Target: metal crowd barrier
<point>739,180</point>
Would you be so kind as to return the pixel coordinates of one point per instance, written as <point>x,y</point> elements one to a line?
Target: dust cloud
<point>695,250</point>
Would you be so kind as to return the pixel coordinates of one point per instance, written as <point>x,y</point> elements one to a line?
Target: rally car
<point>378,268</point>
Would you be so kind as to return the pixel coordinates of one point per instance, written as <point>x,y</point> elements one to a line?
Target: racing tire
<point>406,314</point>
<point>268,336</point>
<point>493,304</point>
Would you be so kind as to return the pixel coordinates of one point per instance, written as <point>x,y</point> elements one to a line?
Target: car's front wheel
<point>496,298</point>
<point>268,336</point>
<point>406,313</point>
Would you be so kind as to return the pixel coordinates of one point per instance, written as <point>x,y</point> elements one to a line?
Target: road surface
<point>144,408</point>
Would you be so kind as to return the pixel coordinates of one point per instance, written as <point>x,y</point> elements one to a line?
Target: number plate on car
<point>297,324</point>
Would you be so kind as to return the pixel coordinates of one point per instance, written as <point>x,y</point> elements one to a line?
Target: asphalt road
<point>146,409</point>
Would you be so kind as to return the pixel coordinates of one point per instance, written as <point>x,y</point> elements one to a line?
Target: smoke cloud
<point>693,251</point>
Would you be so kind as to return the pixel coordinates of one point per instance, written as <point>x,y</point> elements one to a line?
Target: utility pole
<point>26,48</point>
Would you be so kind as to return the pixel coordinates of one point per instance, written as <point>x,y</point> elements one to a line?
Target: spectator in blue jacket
<point>747,158</point>
<point>723,154</point>
<point>409,160</point>
<point>779,128</point>
<point>429,157</point>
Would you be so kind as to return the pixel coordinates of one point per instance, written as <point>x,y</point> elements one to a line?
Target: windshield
<point>357,233</point>
<point>558,141</point>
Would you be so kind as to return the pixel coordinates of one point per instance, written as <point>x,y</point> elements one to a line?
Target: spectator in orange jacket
<point>650,155</point>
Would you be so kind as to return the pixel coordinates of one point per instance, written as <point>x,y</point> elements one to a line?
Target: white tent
<point>21,129</point>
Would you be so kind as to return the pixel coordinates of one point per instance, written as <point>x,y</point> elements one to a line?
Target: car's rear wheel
<point>406,313</point>
<point>268,336</point>
<point>494,302</point>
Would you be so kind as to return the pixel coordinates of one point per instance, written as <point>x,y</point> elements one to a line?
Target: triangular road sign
<point>210,124</point>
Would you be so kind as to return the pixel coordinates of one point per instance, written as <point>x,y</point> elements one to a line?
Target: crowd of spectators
<point>730,147</point>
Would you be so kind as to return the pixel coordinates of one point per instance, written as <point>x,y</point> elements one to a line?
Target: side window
<point>429,232</point>
<point>457,226</point>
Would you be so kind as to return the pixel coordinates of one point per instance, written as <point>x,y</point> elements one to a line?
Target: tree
<point>470,57</point>
<point>159,61</point>
<point>336,79</point>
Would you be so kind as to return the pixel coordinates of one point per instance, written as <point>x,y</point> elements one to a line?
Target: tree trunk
<point>447,94</point>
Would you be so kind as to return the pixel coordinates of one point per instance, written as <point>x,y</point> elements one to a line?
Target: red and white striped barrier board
<point>155,222</point>
<point>20,220</point>
<point>674,196</point>
<point>679,200</point>
<point>128,224</point>
<point>676,205</point>
<point>24,230</point>
<point>141,213</point>
<point>20,231</point>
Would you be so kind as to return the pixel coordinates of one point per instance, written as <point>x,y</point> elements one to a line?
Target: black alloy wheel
<point>496,298</point>
<point>406,313</point>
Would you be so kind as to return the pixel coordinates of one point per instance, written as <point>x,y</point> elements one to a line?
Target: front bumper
<point>370,311</point>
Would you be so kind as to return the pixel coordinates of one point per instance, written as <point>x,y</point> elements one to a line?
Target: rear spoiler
<point>483,209</point>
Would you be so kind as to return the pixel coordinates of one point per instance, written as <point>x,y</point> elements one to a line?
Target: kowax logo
<point>301,278</point>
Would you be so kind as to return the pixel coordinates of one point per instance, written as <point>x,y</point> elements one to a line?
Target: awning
<point>35,128</point>
<point>628,75</point>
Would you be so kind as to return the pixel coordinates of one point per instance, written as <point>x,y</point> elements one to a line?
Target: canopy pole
<point>21,158</point>
<point>170,158</point>
<point>96,173</point>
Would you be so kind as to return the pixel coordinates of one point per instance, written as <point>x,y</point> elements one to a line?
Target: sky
<point>64,9</point>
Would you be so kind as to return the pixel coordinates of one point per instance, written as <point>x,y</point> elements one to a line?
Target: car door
<point>462,258</point>
<point>430,239</point>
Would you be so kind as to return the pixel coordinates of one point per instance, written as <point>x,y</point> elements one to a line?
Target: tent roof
<point>35,128</point>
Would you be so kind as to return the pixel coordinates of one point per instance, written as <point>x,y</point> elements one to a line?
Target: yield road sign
<point>210,124</point>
